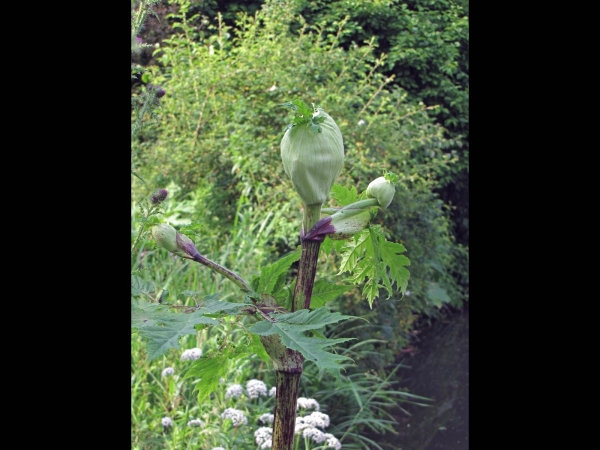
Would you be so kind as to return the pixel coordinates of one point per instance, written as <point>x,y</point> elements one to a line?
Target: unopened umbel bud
<point>165,236</point>
<point>382,190</point>
<point>313,160</point>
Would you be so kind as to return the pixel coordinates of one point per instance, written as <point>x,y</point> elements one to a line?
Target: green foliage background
<point>217,142</point>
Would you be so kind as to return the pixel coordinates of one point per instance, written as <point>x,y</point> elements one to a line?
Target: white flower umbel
<point>235,390</point>
<point>195,423</point>
<point>218,448</point>
<point>316,435</point>
<point>256,388</point>
<point>237,417</point>
<point>264,437</point>
<point>166,422</point>
<point>267,418</point>
<point>273,392</point>
<point>168,371</point>
<point>317,419</point>
<point>191,355</point>
<point>300,425</point>
<point>307,403</point>
<point>332,441</point>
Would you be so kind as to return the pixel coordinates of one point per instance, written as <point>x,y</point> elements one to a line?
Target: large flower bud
<point>382,190</point>
<point>313,160</point>
<point>165,236</point>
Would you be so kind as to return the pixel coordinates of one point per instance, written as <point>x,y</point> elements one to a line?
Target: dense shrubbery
<point>221,127</point>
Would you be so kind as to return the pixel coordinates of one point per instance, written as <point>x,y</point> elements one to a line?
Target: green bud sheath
<point>165,236</point>
<point>313,160</point>
<point>382,190</point>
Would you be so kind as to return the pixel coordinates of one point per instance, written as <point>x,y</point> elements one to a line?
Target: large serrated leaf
<point>175,326</point>
<point>291,328</point>
<point>144,313</point>
<point>140,286</point>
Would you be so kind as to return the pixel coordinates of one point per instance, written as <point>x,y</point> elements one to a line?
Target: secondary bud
<point>382,190</point>
<point>165,236</point>
<point>159,196</point>
<point>313,160</point>
<point>342,224</point>
<point>186,246</point>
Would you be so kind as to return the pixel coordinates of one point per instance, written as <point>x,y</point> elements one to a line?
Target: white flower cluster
<point>313,433</point>
<point>267,418</point>
<point>237,417</point>
<point>307,427</point>
<point>332,441</point>
<point>264,437</point>
<point>218,448</point>
<point>235,390</point>
<point>166,422</point>
<point>195,423</point>
<point>317,419</point>
<point>168,371</point>
<point>256,388</point>
<point>192,354</point>
<point>273,392</point>
<point>307,403</point>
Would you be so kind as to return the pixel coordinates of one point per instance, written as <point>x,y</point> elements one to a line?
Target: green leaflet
<point>272,277</point>
<point>344,196</point>
<point>291,328</point>
<point>211,367</point>
<point>370,256</point>
<point>323,292</point>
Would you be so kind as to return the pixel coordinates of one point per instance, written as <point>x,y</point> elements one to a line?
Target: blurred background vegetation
<point>392,74</point>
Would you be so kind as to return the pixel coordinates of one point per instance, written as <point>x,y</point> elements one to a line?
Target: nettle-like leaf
<point>304,114</point>
<point>370,256</point>
<point>343,195</point>
<point>144,313</point>
<point>140,286</point>
<point>272,277</point>
<point>169,327</point>
<point>212,366</point>
<point>323,292</point>
<point>292,327</point>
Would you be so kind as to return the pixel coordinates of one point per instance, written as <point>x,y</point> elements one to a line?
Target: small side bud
<point>165,236</point>
<point>340,225</point>
<point>159,196</point>
<point>383,190</point>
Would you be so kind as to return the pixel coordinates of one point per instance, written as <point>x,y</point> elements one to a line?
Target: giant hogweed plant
<point>286,320</point>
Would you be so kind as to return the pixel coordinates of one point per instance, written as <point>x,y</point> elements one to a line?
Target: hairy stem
<point>236,279</point>
<point>307,266</point>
